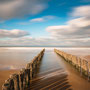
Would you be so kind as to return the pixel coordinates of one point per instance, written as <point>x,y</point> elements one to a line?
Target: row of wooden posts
<point>82,65</point>
<point>22,80</point>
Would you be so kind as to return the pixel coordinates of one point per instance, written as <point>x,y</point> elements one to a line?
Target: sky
<point>45,23</point>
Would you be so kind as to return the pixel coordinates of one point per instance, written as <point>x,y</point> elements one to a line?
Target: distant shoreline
<point>49,46</point>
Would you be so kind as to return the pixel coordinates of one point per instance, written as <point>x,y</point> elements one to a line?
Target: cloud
<point>29,41</point>
<point>76,28</point>
<point>15,33</point>
<point>41,19</point>
<point>83,11</point>
<point>19,8</point>
<point>37,20</point>
<point>76,32</point>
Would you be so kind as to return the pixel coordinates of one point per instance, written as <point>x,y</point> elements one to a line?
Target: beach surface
<point>13,59</point>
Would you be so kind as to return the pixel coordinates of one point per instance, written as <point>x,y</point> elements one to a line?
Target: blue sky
<point>37,18</point>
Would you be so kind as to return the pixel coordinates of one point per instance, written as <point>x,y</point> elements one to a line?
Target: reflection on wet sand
<point>56,79</point>
<point>51,75</point>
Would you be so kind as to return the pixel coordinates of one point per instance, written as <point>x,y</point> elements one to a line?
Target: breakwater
<point>22,80</point>
<point>82,65</point>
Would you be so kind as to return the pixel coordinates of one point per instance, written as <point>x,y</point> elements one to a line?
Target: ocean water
<point>77,51</point>
<point>18,57</point>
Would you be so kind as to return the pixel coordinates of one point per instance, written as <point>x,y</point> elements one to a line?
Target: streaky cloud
<point>15,33</point>
<point>19,8</point>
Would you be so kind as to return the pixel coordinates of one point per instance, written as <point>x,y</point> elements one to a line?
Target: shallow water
<point>77,51</point>
<point>18,57</point>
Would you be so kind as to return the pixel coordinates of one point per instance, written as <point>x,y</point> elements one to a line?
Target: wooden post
<point>77,62</point>
<point>24,78</point>
<point>80,66</point>
<point>6,86</point>
<point>88,74</point>
<point>21,77</point>
<point>11,83</point>
<point>28,76</point>
<point>31,71</point>
<point>15,78</point>
<point>29,66</point>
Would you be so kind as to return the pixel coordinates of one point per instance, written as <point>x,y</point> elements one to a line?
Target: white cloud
<point>19,8</point>
<point>41,19</point>
<point>81,11</point>
<point>12,33</point>
<point>76,31</point>
<point>75,28</point>
<point>29,41</point>
<point>37,20</point>
<point>80,22</point>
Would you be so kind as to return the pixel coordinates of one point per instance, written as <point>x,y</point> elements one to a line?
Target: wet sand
<point>4,75</point>
<point>77,81</point>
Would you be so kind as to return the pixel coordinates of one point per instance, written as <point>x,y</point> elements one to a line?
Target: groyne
<point>22,80</point>
<point>82,65</point>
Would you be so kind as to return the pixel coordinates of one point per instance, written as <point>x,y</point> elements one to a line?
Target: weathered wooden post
<point>9,85</point>
<point>21,77</point>
<point>31,71</point>
<point>88,74</point>
<point>24,78</point>
<point>28,76</point>
<point>6,86</point>
<point>37,61</point>
<point>80,66</point>
<point>29,66</point>
<point>77,63</point>
<point>15,78</point>
<point>27,73</point>
<point>39,58</point>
